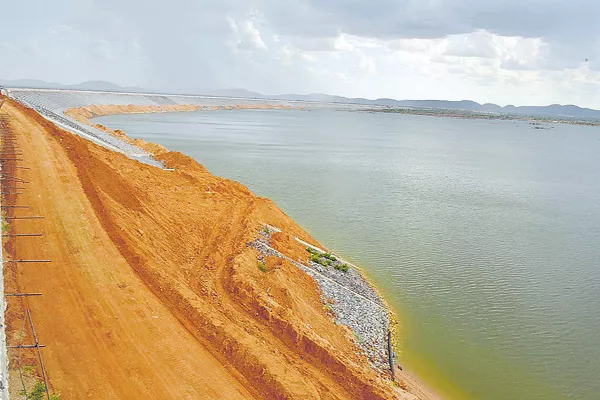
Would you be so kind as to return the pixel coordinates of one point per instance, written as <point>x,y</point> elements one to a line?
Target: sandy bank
<point>85,114</point>
<point>153,290</point>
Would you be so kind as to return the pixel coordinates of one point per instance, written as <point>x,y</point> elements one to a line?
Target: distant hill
<point>554,110</point>
<point>105,86</point>
<point>102,86</point>
<point>236,93</point>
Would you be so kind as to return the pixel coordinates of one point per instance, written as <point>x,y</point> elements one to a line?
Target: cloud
<point>569,28</point>
<point>478,44</point>
<point>487,50</point>
<point>329,43</point>
<point>288,55</point>
<point>247,36</point>
<point>365,63</point>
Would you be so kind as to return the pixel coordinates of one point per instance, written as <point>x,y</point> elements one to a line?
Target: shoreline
<point>535,120</point>
<point>233,313</point>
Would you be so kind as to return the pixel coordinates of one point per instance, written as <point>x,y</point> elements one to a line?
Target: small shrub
<point>5,227</point>
<point>28,369</point>
<point>262,266</point>
<point>38,392</point>
<point>312,251</point>
<point>341,267</point>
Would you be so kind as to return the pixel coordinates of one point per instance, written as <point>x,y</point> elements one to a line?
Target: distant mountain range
<point>554,110</point>
<point>102,86</point>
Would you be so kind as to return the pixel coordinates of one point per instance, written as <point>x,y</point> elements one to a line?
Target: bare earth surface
<point>152,291</point>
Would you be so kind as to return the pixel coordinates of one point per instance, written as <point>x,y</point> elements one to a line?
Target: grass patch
<point>262,266</point>
<point>28,369</point>
<point>315,258</point>
<point>38,392</point>
<point>326,260</point>
<point>329,257</point>
<point>5,225</point>
<point>341,267</point>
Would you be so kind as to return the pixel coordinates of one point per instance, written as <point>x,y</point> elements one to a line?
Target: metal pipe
<point>37,345</point>
<point>391,355</point>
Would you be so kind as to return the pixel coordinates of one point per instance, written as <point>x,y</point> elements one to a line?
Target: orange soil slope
<point>152,291</point>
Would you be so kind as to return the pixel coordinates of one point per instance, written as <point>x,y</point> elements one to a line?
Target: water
<point>484,235</point>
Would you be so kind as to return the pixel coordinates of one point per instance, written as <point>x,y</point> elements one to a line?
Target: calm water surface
<point>484,235</point>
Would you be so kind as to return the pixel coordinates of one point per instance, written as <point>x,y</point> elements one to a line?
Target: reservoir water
<point>483,235</point>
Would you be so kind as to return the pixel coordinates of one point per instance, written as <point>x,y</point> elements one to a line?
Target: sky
<point>522,52</point>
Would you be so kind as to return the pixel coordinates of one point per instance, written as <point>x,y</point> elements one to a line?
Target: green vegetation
<point>329,257</point>
<point>262,266</point>
<point>5,225</point>
<point>38,392</point>
<point>341,267</point>
<point>327,260</point>
<point>28,369</point>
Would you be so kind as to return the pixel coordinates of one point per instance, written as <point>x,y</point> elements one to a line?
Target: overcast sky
<point>502,51</point>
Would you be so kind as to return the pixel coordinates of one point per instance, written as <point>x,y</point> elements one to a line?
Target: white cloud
<point>415,45</point>
<point>286,54</point>
<point>341,44</point>
<point>365,63</point>
<point>289,54</point>
<point>485,50</point>
<point>477,44</point>
<point>245,35</point>
<point>308,57</point>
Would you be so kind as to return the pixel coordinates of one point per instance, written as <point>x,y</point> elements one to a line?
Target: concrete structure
<point>52,103</point>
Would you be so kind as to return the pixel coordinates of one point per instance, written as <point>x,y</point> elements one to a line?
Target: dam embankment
<point>153,258</point>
